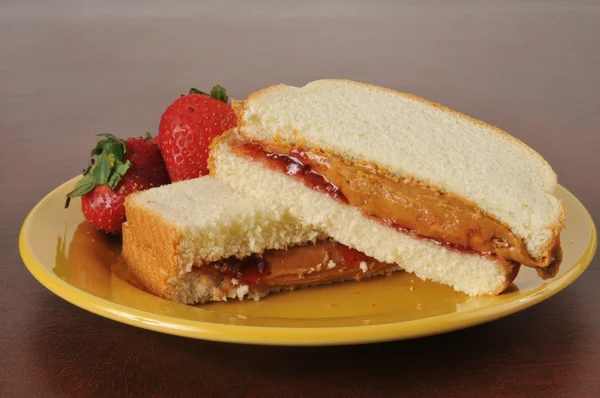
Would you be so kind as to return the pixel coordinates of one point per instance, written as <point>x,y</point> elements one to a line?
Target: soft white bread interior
<point>409,136</point>
<point>172,228</point>
<point>468,273</point>
<point>205,220</point>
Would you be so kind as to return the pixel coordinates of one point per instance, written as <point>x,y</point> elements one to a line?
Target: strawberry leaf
<point>121,168</point>
<point>97,150</point>
<point>111,144</point>
<point>107,165</point>
<point>113,180</point>
<point>115,148</point>
<point>83,186</point>
<point>102,170</point>
<point>219,93</point>
<point>117,172</point>
<point>87,170</point>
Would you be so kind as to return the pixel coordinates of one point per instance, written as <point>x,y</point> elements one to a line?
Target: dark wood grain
<point>69,69</point>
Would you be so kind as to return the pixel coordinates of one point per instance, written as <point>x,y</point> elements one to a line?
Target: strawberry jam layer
<point>319,262</point>
<point>407,205</point>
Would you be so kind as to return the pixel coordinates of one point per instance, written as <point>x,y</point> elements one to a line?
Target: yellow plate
<point>82,266</point>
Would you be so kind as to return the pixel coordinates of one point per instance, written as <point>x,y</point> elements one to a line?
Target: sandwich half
<point>198,241</point>
<point>399,178</point>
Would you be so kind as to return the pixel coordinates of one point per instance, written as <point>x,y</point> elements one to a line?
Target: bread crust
<point>149,267</point>
<point>150,248</point>
<point>511,270</point>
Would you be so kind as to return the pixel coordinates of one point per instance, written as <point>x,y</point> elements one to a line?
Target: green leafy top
<point>217,92</point>
<point>107,166</point>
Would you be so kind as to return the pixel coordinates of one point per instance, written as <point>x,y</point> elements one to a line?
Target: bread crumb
<point>331,305</point>
<point>330,264</point>
<point>363,267</point>
<point>571,241</point>
<point>242,291</point>
<point>412,288</point>
<point>419,306</point>
<point>412,281</point>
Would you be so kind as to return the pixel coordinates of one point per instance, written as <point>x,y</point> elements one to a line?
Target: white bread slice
<point>469,273</point>
<point>173,231</point>
<point>205,220</point>
<point>409,136</point>
<point>174,227</point>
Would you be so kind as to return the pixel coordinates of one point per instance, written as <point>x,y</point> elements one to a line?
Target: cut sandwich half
<point>198,241</point>
<point>309,197</point>
<point>430,175</point>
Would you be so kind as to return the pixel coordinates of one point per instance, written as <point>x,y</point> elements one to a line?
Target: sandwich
<point>403,180</point>
<point>199,240</point>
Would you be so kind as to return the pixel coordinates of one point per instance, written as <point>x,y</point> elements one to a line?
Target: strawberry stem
<point>194,90</point>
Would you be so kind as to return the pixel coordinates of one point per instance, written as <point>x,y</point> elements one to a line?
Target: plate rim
<point>293,336</point>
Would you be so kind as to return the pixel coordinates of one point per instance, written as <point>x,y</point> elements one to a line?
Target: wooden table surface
<point>69,69</point>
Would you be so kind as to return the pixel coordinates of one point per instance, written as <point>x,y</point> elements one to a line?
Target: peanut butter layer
<point>402,203</point>
<point>319,262</point>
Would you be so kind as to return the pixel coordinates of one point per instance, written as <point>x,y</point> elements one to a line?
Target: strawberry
<point>187,128</point>
<point>146,159</point>
<point>104,208</point>
<point>118,168</point>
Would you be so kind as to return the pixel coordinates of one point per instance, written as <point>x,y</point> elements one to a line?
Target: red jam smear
<point>251,270</point>
<point>294,167</point>
<point>352,257</point>
<point>248,271</point>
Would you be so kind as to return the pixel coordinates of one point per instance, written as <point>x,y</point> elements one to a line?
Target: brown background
<point>69,69</point>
